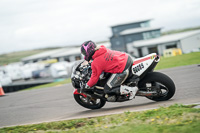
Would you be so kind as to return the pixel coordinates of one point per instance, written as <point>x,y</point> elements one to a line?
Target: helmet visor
<point>83,51</point>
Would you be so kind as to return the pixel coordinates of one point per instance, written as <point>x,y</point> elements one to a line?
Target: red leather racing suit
<point>106,60</point>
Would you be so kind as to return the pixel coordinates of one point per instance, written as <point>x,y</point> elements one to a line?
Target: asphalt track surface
<point>57,103</point>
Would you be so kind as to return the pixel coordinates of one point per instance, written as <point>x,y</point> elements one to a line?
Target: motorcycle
<point>155,86</point>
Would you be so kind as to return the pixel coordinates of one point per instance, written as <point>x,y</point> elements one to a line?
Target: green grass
<point>17,56</point>
<point>180,60</point>
<point>50,84</point>
<point>180,30</point>
<point>173,119</point>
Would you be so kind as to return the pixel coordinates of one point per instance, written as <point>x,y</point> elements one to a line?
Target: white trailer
<point>59,69</point>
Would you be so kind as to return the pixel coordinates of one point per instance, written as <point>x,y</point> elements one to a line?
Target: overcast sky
<point>32,24</point>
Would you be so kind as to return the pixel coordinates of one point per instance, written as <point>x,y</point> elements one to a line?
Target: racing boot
<point>128,90</point>
<point>110,95</point>
<point>122,90</point>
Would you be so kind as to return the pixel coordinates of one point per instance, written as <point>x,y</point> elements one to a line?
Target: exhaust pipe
<point>145,93</point>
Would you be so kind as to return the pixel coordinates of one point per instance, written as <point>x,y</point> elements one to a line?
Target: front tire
<point>165,83</point>
<point>90,103</point>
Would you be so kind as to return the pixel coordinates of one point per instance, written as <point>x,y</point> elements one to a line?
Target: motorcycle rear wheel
<point>90,103</point>
<point>165,83</point>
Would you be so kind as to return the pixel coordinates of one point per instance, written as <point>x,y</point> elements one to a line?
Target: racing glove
<point>85,88</point>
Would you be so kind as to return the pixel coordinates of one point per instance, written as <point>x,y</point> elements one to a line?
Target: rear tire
<point>89,103</point>
<point>166,84</point>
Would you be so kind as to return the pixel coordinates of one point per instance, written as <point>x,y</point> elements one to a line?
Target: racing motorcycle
<point>155,86</point>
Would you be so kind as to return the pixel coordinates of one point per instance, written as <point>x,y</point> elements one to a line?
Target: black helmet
<point>88,49</point>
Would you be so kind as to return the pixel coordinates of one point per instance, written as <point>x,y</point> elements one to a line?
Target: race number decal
<point>138,68</point>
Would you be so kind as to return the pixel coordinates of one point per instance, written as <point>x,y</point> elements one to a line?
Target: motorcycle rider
<point>110,61</point>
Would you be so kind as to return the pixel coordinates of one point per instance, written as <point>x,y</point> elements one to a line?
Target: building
<point>187,41</point>
<point>43,55</point>
<point>69,54</point>
<point>139,39</point>
<point>124,34</point>
<point>73,54</point>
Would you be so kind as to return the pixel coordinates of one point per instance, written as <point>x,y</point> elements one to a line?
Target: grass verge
<point>176,118</point>
<point>50,84</point>
<point>180,60</point>
<point>17,56</point>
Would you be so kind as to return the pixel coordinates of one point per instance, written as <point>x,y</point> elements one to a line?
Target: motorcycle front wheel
<point>90,103</point>
<point>161,81</point>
